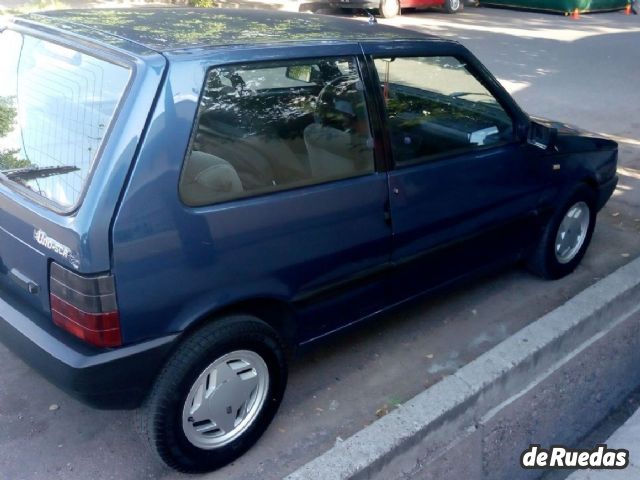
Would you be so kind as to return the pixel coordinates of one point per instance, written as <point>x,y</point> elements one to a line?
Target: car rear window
<point>56,105</point>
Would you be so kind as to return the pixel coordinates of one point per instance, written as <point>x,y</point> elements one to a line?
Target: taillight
<point>85,306</point>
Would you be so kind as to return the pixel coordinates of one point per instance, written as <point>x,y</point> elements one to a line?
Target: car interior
<point>277,127</point>
<point>428,124</point>
<point>436,106</point>
<point>274,126</point>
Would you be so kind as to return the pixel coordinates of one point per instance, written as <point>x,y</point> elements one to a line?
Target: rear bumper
<point>605,191</point>
<point>356,4</point>
<point>109,379</point>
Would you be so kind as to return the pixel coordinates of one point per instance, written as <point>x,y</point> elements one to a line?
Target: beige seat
<point>207,179</point>
<point>339,142</point>
<point>286,165</point>
<point>261,161</point>
<point>250,164</point>
<point>331,151</point>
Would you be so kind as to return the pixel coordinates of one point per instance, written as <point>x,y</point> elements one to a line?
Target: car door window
<point>270,126</point>
<point>436,106</point>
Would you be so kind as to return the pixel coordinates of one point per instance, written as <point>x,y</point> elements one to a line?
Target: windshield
<point>56,105</point>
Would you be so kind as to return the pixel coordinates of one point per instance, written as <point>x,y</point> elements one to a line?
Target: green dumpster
<point>561,6</point>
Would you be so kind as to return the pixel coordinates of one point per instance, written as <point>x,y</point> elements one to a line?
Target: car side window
<point>271,126</point>
<point>436,106</point>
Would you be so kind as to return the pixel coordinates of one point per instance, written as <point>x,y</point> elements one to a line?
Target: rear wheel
<point>216,396</point>
<point>566,237</point>
<point>453,6</point>
<point>389,8</point>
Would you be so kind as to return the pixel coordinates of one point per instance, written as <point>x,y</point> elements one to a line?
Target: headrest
<point>208,178</point>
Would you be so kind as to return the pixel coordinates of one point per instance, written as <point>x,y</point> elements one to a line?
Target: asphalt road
<point>584,72</point>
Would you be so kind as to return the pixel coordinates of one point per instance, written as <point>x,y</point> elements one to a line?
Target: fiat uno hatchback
<point>187,196</point>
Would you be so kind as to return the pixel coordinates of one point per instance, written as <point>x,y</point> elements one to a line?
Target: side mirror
<point>542,136</point>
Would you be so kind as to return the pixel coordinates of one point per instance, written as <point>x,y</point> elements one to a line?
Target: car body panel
<point>491,196</point>
<point>420,3</point>
<point>284,247</point>
<point>373,4</point>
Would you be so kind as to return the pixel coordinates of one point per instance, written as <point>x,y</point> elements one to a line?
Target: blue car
<point>188,196</point>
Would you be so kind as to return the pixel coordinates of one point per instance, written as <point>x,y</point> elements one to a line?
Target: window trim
<point>362,71</point>
<point>98,52</point>
<point>476,73</point>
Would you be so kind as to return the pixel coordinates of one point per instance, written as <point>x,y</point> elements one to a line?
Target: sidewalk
<point>550,383</point>
<point>627,436</point>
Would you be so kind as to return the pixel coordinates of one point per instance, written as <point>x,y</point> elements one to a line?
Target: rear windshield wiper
<point>32,173</point>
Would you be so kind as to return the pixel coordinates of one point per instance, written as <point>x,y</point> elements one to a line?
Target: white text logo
<point>601,457</point>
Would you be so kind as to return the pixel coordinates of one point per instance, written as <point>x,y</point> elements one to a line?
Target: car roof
<point>169,29</point>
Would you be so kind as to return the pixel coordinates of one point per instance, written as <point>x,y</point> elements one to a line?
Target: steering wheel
<point>320,101</point>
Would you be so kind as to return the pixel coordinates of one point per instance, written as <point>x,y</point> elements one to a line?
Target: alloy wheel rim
<point>572,232</point>
<point>225,399</point>
<point>455,5</point>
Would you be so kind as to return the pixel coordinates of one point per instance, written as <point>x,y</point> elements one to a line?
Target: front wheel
<point>216,396</point>
<point>453,6</point>
<point>389,8</point>
<point>566,237</point>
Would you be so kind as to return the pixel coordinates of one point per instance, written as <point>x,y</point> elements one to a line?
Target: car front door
<point>464,190</point>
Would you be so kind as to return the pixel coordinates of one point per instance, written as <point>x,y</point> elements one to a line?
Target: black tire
<point>543,261</point>
<point>160,418</point>
<point>389,8</point>
<point>453,6</point>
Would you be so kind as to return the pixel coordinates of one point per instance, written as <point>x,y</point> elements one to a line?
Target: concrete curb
<point>551,382</point>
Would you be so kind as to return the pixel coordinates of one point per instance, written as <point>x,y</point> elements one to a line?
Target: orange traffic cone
<point>627,10</point>
<point>576,14</point>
